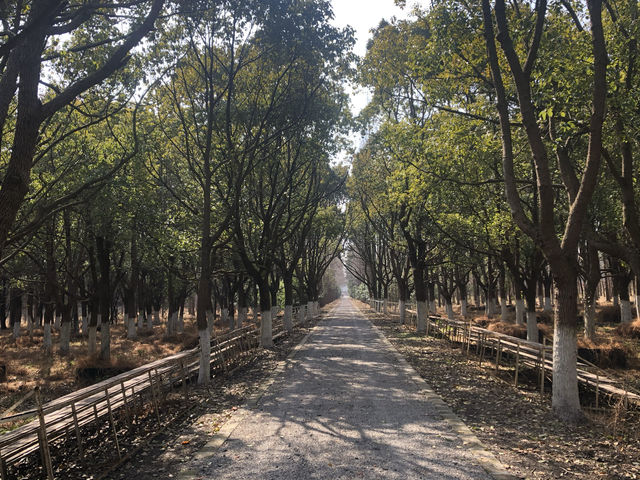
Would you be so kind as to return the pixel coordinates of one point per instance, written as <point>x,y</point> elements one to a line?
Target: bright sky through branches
<point>362,16</point>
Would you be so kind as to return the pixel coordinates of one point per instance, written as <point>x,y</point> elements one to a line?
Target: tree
<point>34,36</point>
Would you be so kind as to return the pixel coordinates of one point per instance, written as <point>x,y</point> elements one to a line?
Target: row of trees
<point>485,138</point>
<point>195,161</point>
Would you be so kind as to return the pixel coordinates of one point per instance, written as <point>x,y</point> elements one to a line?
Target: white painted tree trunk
<point>637,306</point>
<point>431,307</point>
<point>140,321</point>
<point>566,400</point>
<point>211,318</point>
<point>422,314</point>
<point>626,316</point>
<point>266,334</point>
<point>463,307</point>
<point>589,319</point>
<point>532,327</point>
<point>84,322</point>
<point>520,311</point>
<point>204,370</point>
<point>301,310</point>
<point>65,336</point>
<point>131,328</point>
<point>57,321</point>
<point>288,315</point>
<point>47,343</point>
<point>172,324</point>
<point>16,330</point>
<point>385,306</point>
<point>310,310</point>
<point>241,318</point>
<point>180,323</point>
<point>274,314</point>
<point>26,316</point>
<point>316,308</point>
<point>449,308</point>
<point>547,304</point>
<point>491,307</point>
<point>92,339</point>
<point>403,311</point>
<point>503,310</point>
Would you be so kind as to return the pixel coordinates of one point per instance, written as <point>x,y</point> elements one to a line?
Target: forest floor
<point>516,424</point>
<point>28,366</point>
<point>184,426</point>
<point>615,349</point>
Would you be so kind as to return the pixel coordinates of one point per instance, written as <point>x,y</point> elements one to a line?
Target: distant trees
<point>139,176</point>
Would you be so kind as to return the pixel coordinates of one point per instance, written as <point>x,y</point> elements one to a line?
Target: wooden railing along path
<point>501,348</point>
<point>69,413</point>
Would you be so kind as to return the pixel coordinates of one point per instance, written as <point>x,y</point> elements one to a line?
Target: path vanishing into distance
<point>343,407</point>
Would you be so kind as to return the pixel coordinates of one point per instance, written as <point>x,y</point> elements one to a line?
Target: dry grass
<point>608,314</point>
<point>28,366</point>
<point>629,330</point>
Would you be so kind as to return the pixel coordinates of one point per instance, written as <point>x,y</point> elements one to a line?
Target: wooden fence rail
<point>68,414</point>
<point>501,348</point>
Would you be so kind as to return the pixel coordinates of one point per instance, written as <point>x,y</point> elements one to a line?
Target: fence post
<point>184,381</point>
<point>77,427</point>
<point>3,469</point>
<point>124,402</point>
<point>112,421</point>
<point>153,397</point>
<point>44,444</point>
<point>515,381</point>
<point>542,367</point>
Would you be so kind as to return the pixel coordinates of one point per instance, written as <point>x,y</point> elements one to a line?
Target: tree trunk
<point>288,317</point>
<point>131,325</point>
<point>566,400</point>
<point>85,320</point>
<point>15,313</point>
<point>65,329</point>
<point>590,317</point>
<point>520,311</point>
<point>27,313</point>
<point>626,316</point>
<point>103,248</point>
<point>180,323</point>
<point>422,314</point>
<point>266,326</point>
<point>532,327</point>
<point>421,301</point>
<point>431,301</point>
<point>92,340</point>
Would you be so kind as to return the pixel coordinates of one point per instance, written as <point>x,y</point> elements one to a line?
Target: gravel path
<point>342,409</point>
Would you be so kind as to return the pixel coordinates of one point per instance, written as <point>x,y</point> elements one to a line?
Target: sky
<point>362,16</point>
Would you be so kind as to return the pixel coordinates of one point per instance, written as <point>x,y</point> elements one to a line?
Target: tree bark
<point>566,400</point>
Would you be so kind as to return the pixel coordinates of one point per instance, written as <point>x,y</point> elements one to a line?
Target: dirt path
<point>344,407</point>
